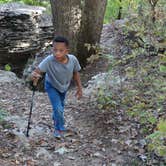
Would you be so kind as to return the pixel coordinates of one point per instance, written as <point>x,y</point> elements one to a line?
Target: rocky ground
<point>95,138</point>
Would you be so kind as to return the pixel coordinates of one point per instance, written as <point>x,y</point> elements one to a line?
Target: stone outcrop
<point>24,31</point>
<point>8,77</point>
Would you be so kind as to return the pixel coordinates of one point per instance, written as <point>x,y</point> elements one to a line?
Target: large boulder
<point>8,77</point>
<point>24,31</point>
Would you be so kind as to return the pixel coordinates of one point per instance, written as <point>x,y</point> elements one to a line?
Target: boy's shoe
<point>66,133</point>
<point>57,134</point>
<point>63,129</point>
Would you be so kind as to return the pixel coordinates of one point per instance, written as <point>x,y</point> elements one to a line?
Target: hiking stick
<point>30,113</point>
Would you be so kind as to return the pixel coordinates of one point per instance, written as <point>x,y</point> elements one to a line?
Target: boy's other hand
<point>35,76</point>
<point>79,93</point>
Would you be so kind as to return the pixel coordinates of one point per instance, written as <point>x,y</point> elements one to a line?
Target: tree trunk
<point>153,4</point>
<point>81,22</point>
<point>66,19</point>
<point>120,11</point>
<point>91,26</point>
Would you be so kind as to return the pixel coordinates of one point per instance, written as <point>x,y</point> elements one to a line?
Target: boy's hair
<point>61,39</point>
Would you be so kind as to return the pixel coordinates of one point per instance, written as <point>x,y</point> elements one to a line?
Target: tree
<point>153,4</point>
<point>120,10</point>
<point>81,22</point>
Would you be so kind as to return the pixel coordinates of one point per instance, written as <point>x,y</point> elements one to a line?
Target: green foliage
<point>157,139</point>
<point>44,3</point>
<point>97,52</point>
<point>113,6</point>
<point>163,68</point>
<point>3,123</point>
<point>8,67</point>
<point>143,67</point>
<point>107,100</point>
<point>3,114</point>
<point>162,126</point>
<point>5,1</point>
<point>111,10</point>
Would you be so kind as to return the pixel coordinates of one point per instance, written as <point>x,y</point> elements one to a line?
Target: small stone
<point>6,155</point>
<point>103,149</point>
<point>71,157</point>
<point>98,154</point>
<point>62,150</point>
<point>142,142</point>
<point>113,164</point>
<point>57,164</point>
<point>114,141</point>
<point>128,142</point>
<point>43,153</point>
<point>142,157</point>
<point>119,152</point>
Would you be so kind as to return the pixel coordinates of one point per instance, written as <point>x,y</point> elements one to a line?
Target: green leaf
<point>152,119</point>
<point>162,126</point>
<point>163,68</point>
<point>154,135</point>
<point>162,150</point>
<point>3,114</point>
<point>7,67</point>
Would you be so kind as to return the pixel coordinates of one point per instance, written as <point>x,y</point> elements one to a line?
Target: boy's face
<point>60,50</point>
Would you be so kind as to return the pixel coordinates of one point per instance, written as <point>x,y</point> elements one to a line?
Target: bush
<point>157,139</point>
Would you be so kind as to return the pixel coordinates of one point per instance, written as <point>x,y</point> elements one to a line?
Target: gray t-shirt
<point>58,74</point>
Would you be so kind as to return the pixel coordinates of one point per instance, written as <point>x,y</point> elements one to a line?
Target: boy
<point>60,68</point>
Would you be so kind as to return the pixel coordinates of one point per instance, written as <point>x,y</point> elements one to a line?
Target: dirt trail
<point>96,138</point>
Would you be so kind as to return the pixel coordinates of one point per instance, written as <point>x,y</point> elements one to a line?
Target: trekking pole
<point>31,108</point>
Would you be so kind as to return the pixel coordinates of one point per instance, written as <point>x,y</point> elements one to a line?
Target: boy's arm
<point>76,77</point>
<point>36,75</point>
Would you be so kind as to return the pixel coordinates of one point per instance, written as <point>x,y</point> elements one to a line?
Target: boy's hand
<point>35,76</point>
<point>76,77</point>
<point>79,93</point>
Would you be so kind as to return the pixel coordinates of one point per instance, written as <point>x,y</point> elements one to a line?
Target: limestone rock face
<point>8,77</point>
<point>23,32</point>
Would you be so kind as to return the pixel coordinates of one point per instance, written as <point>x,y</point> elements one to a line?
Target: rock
<point>68,162</point>
<point>62,150</point>
<point>98,154</point>
<point>113,38</point>
<point>115,141</point>
<point>21,125</point>
<point>142,157</point>
<point>102,80</point>
<point>31,65</point>
<point>128,142</point>
<point>8,77</point>
<point>71,157</point>
<point>142,143</point>
<point>37,131</point>
<point>24,31</point>
<point>24,142</point>
<point>44,154</point>
<point>20,122</point>
<point>113,164</point>
<point>57,164</point>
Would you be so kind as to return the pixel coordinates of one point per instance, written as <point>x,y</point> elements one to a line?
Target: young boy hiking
<point>60,68</point>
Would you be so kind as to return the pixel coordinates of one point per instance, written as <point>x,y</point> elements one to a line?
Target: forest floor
<point>94,138</point>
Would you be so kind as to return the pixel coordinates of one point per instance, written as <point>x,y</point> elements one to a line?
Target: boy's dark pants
<point>57,100</point>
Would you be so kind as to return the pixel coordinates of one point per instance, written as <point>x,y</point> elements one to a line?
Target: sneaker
<point>63,129</point>
<point>66,133</point>
<point>57,134</point>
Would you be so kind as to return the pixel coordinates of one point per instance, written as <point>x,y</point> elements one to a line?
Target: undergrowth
<point>139,61</point>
